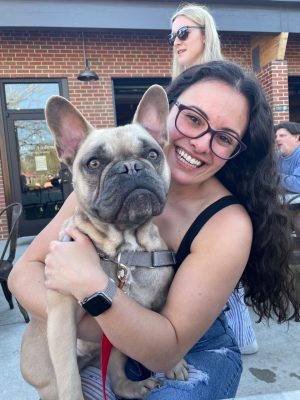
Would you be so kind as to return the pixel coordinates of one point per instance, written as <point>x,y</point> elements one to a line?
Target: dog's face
<point>120,175</point>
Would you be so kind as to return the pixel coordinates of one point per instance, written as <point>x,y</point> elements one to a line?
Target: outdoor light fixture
<point>87,74</point>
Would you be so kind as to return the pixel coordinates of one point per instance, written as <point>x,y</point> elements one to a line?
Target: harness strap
<point>185,245</point>
<point>147,259</point>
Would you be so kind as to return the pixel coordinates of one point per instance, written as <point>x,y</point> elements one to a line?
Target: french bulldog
<point>121,180</point>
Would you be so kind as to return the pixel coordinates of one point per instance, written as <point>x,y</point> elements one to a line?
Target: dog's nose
<point>132,167</point>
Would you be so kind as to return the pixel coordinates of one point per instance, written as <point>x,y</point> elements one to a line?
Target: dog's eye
<point>153,155</point>
<point>93,164</point>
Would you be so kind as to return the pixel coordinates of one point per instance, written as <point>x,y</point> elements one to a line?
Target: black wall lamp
<point>87,74</point>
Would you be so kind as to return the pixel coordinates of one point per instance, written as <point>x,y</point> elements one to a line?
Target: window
<point>28,95</point>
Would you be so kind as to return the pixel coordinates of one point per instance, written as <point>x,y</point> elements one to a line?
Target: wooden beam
<point>271,47</point>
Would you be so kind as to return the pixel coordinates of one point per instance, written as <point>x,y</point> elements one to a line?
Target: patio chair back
<point>13,213</point>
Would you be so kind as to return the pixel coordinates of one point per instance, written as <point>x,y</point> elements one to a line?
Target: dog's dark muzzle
<point>131,193</point>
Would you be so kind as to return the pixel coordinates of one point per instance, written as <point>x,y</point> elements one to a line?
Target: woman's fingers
<point>76,235</point>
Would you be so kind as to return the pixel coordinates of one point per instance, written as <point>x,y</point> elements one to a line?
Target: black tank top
<point>185,245</point>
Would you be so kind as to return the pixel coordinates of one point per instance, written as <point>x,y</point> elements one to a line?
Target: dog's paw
<point>136,389</point>
<point>147,385</point>
<point>179,372</point>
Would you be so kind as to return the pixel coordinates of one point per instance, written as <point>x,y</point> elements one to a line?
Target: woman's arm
<point>198,293</point>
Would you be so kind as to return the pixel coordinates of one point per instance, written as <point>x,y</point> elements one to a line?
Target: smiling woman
<point>191,158</point>
<point>192,48</point>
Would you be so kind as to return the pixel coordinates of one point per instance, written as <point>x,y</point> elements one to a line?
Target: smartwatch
<point>99,302</point>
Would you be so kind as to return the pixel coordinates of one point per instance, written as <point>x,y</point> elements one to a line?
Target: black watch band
<point>99,302</point>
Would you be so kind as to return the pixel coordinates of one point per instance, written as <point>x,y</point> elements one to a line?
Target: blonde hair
<point>201,16</point>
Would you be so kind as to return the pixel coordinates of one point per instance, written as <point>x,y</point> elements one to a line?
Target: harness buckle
<point>122,272</point>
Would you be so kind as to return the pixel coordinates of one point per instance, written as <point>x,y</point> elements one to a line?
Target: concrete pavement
<point>271,374</point>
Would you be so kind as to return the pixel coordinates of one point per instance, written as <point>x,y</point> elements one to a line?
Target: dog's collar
<point>125,259</point>
<point>147,259</point>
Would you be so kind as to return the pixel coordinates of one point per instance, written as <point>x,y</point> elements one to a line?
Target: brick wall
<point>293,54</point>
<point>237,47</point>
<point>274,78</point>
<point>51,54</point>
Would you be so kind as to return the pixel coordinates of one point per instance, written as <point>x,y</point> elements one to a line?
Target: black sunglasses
<point>182,33</point>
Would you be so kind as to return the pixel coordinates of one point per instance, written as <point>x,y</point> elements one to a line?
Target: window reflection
<point>29,95</point>
<point>40,180</point>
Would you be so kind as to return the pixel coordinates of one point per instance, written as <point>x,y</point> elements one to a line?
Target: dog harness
<point>146,259</point>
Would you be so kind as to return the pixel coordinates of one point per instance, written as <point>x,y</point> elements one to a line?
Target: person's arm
<point>197,295</point>
<point>291,182</point>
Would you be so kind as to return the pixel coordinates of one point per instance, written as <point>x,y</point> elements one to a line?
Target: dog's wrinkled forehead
<point>128,140</point>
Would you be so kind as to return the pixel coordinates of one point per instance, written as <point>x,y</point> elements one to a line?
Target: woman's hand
<point>73,268</point>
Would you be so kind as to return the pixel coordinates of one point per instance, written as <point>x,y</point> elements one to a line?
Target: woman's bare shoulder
<point>231,223</point>
<point>227,235</point>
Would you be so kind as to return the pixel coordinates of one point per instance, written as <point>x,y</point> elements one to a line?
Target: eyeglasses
<point>193,124</point>
<point>182,33</point>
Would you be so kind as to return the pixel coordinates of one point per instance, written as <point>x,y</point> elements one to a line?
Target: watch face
<point>97,304</point>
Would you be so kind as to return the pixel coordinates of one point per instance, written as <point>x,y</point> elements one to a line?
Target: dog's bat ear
<point>152,113</point>
<point>68,127</point>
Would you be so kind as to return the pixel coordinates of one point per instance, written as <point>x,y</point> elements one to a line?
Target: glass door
<point>32,173</point>
<point>41,182</point>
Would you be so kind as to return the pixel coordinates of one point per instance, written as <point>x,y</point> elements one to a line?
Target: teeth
<point>193,162</point>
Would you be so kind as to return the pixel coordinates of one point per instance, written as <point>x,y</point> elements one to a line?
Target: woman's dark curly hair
<point>252,177</point>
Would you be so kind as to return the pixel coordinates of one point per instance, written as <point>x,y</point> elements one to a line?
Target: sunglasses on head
<point>182,33</point>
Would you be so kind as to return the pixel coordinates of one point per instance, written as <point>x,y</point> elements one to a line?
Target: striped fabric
<point>92,389</point>
<point>239,319</point>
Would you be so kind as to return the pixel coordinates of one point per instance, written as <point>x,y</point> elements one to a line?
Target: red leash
<point>106,345</point>
<point>105,353</point>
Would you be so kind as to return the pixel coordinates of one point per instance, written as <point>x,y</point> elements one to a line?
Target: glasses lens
<point>225,145</point>
<point>190,123</point>
<point>171,39</point>
<point>182,34</point>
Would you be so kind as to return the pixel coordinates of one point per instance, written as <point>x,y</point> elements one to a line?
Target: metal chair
<point>13,212</point>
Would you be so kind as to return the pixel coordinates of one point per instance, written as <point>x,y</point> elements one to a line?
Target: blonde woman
<point>195,40</point>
